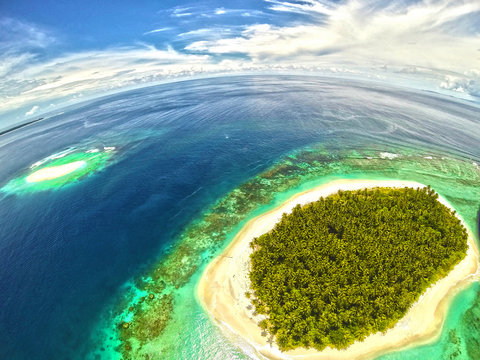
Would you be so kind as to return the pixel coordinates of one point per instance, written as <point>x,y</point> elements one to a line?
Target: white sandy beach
<point>54,172</point>
<point>222,288</point>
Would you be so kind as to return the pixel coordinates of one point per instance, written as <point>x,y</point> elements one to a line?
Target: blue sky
<point>54,53</point>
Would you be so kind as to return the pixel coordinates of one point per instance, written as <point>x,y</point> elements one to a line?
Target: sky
<point>56,52</point>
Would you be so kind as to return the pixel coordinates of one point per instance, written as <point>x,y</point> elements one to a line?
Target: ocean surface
<point>193,161</point>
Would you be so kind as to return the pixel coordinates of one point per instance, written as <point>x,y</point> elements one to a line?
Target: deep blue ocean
<point>67,253</point>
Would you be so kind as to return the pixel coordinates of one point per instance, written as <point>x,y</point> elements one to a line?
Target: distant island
<point>351,264</point>
<point>351,269</point>
<point>3,132</point>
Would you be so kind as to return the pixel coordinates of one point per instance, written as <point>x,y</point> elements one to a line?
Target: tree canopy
<point>351,264</point>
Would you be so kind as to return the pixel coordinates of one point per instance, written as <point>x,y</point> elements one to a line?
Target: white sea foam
<point>38,163</point>
<point>387,155</point>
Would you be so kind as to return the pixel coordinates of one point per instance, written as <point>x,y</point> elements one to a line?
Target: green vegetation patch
<point>351,264</point>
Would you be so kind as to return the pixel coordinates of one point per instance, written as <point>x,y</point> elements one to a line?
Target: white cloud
<point>209,33</point>
<point>252,13</point>
<point>304,7</point>
<point>434,41</point>
<point>264,41</point>
<point>468,83</point>
<point>32,111</point>
<point>9,62</point>
<point>180,11</point>
<point>157,30</point>
<point>20,44</point>
<point>182,14</point>
<point>18,35</point>
<point>362,33</point>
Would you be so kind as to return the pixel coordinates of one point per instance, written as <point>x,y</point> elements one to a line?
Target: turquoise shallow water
<point>190,334</point>
<point>193,162</point>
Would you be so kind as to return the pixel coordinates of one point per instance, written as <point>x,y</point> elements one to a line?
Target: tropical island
<point>365,266</point>
<point>335,270</point>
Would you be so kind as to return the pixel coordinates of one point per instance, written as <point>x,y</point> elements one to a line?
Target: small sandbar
<point>54,172</point>
<point>222,287</point>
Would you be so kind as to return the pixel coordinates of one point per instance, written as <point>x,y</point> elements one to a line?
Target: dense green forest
<point>351,264</point>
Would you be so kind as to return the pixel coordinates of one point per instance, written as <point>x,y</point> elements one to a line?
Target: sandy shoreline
<point>223,285</point>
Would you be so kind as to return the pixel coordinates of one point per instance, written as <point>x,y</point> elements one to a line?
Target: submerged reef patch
<point>60,169</point>
<point>471,328</point>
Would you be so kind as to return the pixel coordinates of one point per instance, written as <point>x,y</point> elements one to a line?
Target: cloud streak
<point>304,7</point>
<point>32,111</point>
<point>17,35</point>
<point>157,30</point>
